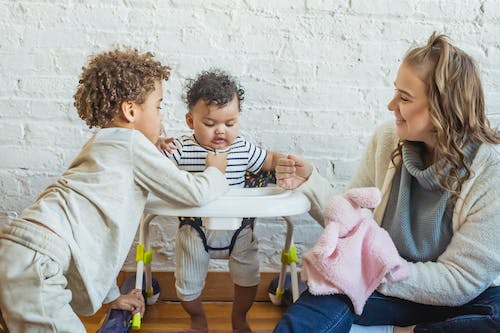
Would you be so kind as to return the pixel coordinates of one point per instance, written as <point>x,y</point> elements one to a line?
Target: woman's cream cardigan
<point>471,262</point>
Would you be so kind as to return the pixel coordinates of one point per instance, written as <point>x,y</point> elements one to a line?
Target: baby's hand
<point>166,144</point>
<point>217,160</point>
<point>292,171</point>
<point>133,302</point>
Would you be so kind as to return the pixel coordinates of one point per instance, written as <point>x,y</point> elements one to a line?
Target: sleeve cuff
<point>112,295</point>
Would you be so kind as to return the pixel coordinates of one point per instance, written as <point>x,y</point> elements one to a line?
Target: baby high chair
<point>227,212</point>
<point>254,200</point>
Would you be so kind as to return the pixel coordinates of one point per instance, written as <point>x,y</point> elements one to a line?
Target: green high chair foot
<point>136,322</point>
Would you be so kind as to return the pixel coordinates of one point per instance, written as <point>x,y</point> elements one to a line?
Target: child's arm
<point>178,188</point>
<point>271,160</point>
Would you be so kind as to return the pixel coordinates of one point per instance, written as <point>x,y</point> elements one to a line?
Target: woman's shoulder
<point>386,130</point>
<point>488,155</point>
<point>385,138</point>
<point>485,169</point>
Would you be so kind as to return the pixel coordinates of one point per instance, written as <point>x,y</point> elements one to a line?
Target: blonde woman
<point>438,166</point>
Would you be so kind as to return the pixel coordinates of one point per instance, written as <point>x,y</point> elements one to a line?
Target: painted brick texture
<point>317,75</point>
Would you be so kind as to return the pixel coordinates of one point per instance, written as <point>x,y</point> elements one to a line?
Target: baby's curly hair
<point>112,78</point>
<point>215,87</point>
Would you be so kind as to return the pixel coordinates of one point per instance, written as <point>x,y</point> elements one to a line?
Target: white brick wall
<point>317,75</point>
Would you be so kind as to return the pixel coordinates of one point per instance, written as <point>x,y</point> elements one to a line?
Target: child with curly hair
<point>63,254</point>
<point>214,100</point>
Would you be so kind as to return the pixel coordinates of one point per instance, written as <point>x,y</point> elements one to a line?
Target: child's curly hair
<point>215,87</point>
<point>112,78</point>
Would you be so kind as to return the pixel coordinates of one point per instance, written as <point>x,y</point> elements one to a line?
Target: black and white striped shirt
<point>241,156</point>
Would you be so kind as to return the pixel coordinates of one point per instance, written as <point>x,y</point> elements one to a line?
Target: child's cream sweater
<point>96,206</point>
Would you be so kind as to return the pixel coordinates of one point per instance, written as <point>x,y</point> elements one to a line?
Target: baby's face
<point>215,127</point>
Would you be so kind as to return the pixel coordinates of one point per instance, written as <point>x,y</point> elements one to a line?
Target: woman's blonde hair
<point>456,106</point>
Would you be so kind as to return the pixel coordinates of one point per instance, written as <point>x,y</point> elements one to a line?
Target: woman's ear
<point>128,112</point>
<point>189,120</point>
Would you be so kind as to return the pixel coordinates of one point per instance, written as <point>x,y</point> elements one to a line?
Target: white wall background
<point>317,75</point>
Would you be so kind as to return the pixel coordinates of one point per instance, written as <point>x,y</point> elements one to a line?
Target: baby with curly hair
<point>214,102</point>
<point>64,252</point>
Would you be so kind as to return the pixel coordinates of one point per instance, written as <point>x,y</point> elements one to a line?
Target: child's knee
<point>245,274</point>
<point>189,290</point>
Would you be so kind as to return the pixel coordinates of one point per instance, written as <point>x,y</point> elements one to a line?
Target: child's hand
<point>166,144</point>
<point>217,160</point>
<point>292,171</point>
<point>133,302</point>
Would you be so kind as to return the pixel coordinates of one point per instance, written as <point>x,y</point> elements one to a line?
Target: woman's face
<point>410,105</point>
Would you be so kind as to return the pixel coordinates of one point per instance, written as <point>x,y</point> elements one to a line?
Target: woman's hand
<point>218,160</point>
<point>166,144</point>
<point>133,302</point>
<point>292,171</point>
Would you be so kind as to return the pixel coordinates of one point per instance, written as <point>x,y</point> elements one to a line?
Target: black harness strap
<point>195,222</point>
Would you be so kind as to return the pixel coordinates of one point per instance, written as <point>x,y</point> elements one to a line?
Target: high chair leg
<point>288,258</point>
<point>143,257</point>
<point>291,258</point>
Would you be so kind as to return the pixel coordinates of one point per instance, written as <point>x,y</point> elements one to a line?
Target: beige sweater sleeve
<point>372,171</point>
<point>318,190</point>
<point>178,188</point>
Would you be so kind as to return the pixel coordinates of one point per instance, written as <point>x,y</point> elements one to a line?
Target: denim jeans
<point>334,313</point>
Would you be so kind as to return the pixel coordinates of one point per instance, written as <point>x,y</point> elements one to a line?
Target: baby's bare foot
<point>198,325</point>
<point>241,327</point>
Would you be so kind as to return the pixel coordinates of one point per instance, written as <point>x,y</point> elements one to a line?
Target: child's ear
<point>127,110</point>
<point>189,120</point>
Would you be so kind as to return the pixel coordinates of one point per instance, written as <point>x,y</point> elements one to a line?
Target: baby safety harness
<point>260,179</point>
<point>196,223</point>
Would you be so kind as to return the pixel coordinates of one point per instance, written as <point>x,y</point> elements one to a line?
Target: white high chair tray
<point>239,202</point>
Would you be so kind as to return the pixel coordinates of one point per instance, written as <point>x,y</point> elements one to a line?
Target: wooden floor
<point>170,317</point>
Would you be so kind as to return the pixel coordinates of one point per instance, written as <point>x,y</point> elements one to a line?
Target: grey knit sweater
<point>418,213</point>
